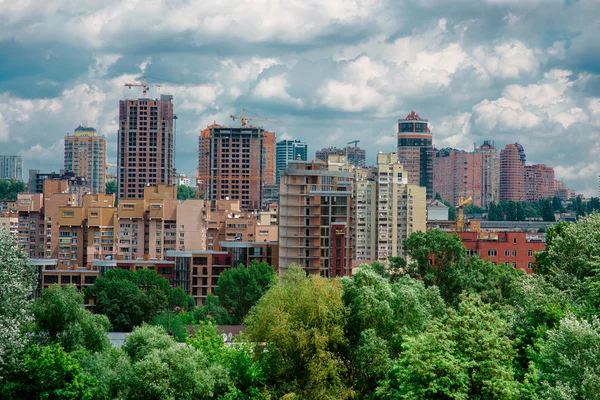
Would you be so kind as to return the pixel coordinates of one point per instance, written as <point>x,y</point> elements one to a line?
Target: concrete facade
<point>415,151</point>
<point>144,145</point>
<point>85,156</point>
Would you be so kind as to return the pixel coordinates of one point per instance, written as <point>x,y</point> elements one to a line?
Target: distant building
<point>11,167</point>
<point>145,145</point>
<point>437,211</point>
<point>288,150</point>
<point>520,182</point>
<point>269,154</point>
<point>355,155</point>
<point>470,174</point>
<point>182,180</point>
<point>85,156</point>
<point>415,151</point>
<point>72,183</point>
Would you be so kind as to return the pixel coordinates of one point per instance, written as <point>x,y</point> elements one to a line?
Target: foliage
<point>60,318</point>
<point>240,288</point>
<point>185,192</point>
<point>444,250</point>
<point>17,282</point>
<point>110,187</point>
<point>129,298</point>
<point>10,188</point>
<point>144,339</point>
<point>112,371</point>
<point>568,363</point>
<point>48,372</point>
<point>468,355</point>
<point>175,323</point>
<point>299,328</point>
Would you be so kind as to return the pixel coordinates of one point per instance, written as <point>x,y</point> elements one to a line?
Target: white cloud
<point>507,60</point>
<point>275,88</point>
<point>351,98</point>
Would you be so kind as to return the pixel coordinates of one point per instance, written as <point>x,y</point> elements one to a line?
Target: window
<point>514,253</point>
<point>492,253</point>
<point>472,252</point>
<point>200,261</point>
<point>507,253</point>
<point>514,240</point>
<point>530,265</point>
<point>529,253</point>
<point>514,264</point>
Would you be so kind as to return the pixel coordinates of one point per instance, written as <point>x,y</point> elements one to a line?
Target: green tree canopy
<point>49,372</point>
<point>299,326</point>
<point>60,318</point>
<point>111,187</point>
<point>467,355</point>
<point>129,298</point>
<point>10,188</point>
<point>185,192</point>
<point>240,288</point>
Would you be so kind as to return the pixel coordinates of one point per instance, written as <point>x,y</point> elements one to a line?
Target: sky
<point>332,71</point>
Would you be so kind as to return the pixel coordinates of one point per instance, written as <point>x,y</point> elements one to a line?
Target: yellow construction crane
<point>145,85</point>
<point>245,119</point>
<point>460,220</point>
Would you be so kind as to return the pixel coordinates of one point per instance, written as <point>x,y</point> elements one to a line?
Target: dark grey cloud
<point>332,72</point>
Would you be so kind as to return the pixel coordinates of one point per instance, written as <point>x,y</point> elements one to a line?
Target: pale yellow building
<point>388,209</point>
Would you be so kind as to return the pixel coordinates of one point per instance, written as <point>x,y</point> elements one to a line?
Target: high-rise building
<point>387,208</point>
<point>85,156</point>
<point>470,174</point>
<point>11,167</point>
<point>316,218</point>
<point>520,182</point>
<point>325,152</point>
<point>145,145</point>
<point>415,151</point>
<point>288,150</point>
<point>355,155</point>
<point>512,173</point>
<point>231,164</point>
<point>539,182</point>
<point>269,158</point>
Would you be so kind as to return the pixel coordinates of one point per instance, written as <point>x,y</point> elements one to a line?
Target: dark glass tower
<point>415,151</point>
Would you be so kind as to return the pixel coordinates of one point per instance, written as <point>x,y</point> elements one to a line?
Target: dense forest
<point>454,328</point>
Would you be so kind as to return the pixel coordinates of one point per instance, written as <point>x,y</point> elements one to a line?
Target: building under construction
<point>234,163</point>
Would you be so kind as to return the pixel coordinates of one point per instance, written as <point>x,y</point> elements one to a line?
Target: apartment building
<point>11,167</point>
<point>144,145</point>
<point>235,163</point>
<point>288,150</point>
<point>415,151</point>
<point>521,182</point>
<point>316,218</point>
<point>468,174</point>
<point>387,208</point>
<point>85,156</point>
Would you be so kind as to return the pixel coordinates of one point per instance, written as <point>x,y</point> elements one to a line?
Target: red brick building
<point>520,182</point>
<point>514,248</point>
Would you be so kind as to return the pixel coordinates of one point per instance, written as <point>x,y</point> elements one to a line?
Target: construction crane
<point>356,142</point>
<point>460,220</point>
<point>245,119</point>
<point>145,85</point>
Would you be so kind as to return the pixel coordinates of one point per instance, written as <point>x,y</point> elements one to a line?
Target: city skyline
<point>499,70</point>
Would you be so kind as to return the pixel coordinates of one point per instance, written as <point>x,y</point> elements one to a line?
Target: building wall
<point>539,181</point>
<point>85,155</point>
<point>512,174</point>
<point>269,158</point>
<point>503,247</point>
<point>11,167</point>
<point>415,151</point>
<point>145,145</point>
<point>288,150</point>
<point>316,209</point>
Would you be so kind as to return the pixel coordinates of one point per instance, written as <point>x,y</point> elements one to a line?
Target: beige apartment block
<point>388,209</point>
<point>316,218</point>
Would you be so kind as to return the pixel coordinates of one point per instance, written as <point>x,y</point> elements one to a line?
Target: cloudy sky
<point>332,71</point>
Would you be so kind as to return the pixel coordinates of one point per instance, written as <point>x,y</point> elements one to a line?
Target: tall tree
<point>547,212</point>
<point>495,213</point>
<point>60,318</point>
<point>17,282</point>
<point>299,329</point>
<point>468,355</point>
<point>240,288</point>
